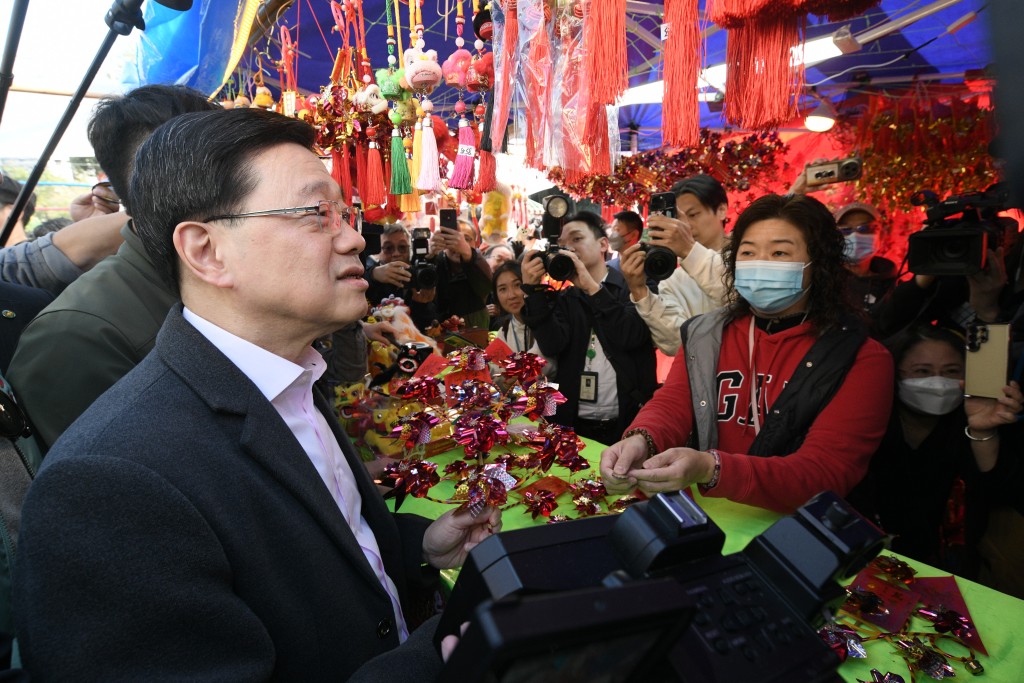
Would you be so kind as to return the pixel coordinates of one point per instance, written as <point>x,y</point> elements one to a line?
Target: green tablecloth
<point>998,617</point>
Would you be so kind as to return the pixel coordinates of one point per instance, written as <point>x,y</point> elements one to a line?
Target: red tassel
<point>342,172</point>
<point>375,193</point>
<point>537,77</point>
<point>487,178</point>
<point>509,66</point>
<point>762,77</point>
<point>361,173</point>
<point>604,47</point>
<point>336,162</point>
<point>680,115</point>
<point>462,175</point>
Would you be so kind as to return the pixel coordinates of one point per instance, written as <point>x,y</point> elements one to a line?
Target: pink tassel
<point>430,173</point>
<point>462,176</point>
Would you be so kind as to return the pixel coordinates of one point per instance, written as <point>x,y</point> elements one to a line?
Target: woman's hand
<point>619,459</point>
<point>987,414</point>
<point>674,469</point>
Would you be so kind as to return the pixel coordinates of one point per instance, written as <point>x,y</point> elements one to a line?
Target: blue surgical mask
<point>859,247</point>
<point>770,286</point>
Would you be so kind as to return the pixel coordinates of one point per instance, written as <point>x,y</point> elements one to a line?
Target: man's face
<point>628,234</point>
<point>395,247</point>
<point>290,281</point>
<point>857,221</point>
<point>706,223</point>
<point>578,237</point>
<point>468,233</point>
<point>498,256</point>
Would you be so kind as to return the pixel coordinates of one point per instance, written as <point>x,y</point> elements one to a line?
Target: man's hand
<point>533,268</point>
<point>452,535</point>
<point>631,261</point>
<point>618,460</point>
<point>674,469</point>
<point>581,276</point>
<point>455,245</point>
<point>395,273</point>
<point>673,233</point>
<point>800,185</point>
<point>100,201</point>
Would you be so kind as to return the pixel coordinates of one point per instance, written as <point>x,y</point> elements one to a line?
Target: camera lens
<point>660,262</point>
<point>954,249</point>
<point>424,276</point>
<point>560,266</point>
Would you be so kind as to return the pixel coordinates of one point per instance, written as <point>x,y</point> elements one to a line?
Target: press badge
<point>588,387</point>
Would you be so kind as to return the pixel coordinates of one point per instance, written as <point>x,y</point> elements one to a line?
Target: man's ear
<point>722,211</point>
<point>199,252</point>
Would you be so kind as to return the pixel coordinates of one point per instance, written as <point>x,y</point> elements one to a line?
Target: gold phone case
<point>988,357</point>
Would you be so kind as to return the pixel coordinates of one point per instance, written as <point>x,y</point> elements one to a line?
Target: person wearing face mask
<point>873,276</point>
<point>771,387</point>
<point>624,232</point>
<point>934,439</point>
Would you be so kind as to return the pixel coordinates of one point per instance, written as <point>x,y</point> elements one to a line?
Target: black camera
<point>660,262</point>
<point>424,273</point>
<point>556,263</point>
<point>649,594</point>
<point>958,245</point>
<point>835,171</point>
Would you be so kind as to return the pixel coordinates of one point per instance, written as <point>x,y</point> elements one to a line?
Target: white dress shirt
<point>289,388</point>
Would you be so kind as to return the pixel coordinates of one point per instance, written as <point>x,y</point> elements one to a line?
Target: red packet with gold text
<point>894,604</point>
<point>431,367</point>
<point>498,350</point>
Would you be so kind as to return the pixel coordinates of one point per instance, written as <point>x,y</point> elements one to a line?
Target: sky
<point>58,43</point>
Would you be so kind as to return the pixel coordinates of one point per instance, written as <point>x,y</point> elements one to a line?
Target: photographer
<point>873,276</point>
<point>592,330</point>
<point>696,236</point>
<point>772,387</point>
<point>463,276</point>
<point>391,275</point>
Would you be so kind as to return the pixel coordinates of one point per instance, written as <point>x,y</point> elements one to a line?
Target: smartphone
<point>988,359</point>
<point>448,218</point>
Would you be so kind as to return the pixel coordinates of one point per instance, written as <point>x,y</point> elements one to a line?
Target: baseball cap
<point>857,206</point>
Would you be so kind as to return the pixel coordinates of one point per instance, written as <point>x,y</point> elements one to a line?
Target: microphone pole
<point>121,18</point>
<point>11,49</point>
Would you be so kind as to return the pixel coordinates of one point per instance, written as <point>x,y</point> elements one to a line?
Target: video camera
<point>648,596</point>
<point>660,262</point>
<point>557,207</point>
<point>957,246</point>
<point>423,273</point>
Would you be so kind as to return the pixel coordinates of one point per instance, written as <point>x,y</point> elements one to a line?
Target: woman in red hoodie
<point>781,394</point>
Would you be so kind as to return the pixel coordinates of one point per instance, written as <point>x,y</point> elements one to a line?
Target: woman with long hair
<point>781,391</point>
<point>509,300</point>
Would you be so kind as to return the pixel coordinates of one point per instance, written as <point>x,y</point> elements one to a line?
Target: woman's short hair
<point>829,289</point>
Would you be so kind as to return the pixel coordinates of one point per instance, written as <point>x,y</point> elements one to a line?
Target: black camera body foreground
<point>648,596</point>
<point>423,273</point>
<point>557,263</point>
<point>660,262</point>
<point>949,245</point>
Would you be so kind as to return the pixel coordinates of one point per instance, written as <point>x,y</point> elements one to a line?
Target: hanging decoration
<point>456,74</point>
<point>739,164</point>
<point>680,120</point>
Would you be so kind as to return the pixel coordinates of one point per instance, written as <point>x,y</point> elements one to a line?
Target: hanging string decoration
<point>738,163</point>
<point>680,120</point>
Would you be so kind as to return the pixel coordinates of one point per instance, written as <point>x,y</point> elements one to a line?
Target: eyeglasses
<point>863,229</point>
<point>391,249</point>
<point>329,214</point>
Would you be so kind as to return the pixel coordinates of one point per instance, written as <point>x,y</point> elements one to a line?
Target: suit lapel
<point>264,436</point>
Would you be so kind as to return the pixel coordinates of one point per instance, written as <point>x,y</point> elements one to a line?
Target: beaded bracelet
<point>967,431</point>
<point>651,448</point>
<point>713,482</point>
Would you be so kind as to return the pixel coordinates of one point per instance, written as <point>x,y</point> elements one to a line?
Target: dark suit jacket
<point>177,531</point>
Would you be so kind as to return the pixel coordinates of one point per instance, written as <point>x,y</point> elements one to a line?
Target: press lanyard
<point>591,351</point>
<point>753,381</point>
<point>515,337</point>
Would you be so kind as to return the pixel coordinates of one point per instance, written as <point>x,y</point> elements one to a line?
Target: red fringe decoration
<point>762,78</point>
<point>537,76</point>
<point>680,117</point>
<point>836,11</point>
<point>604,49</point>
<point>375,194</point>
<point>509,66</point>
<point>487,178</point>
<point>336,162</point>
<point>361,173</point>
<point>733,13</point>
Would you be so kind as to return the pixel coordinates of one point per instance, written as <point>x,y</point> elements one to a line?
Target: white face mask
<point>931,395</point>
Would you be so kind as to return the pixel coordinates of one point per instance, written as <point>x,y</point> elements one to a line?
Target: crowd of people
<point>199,510</point>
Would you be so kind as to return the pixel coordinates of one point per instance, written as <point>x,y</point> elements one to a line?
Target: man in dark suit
<point>206,518</point>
